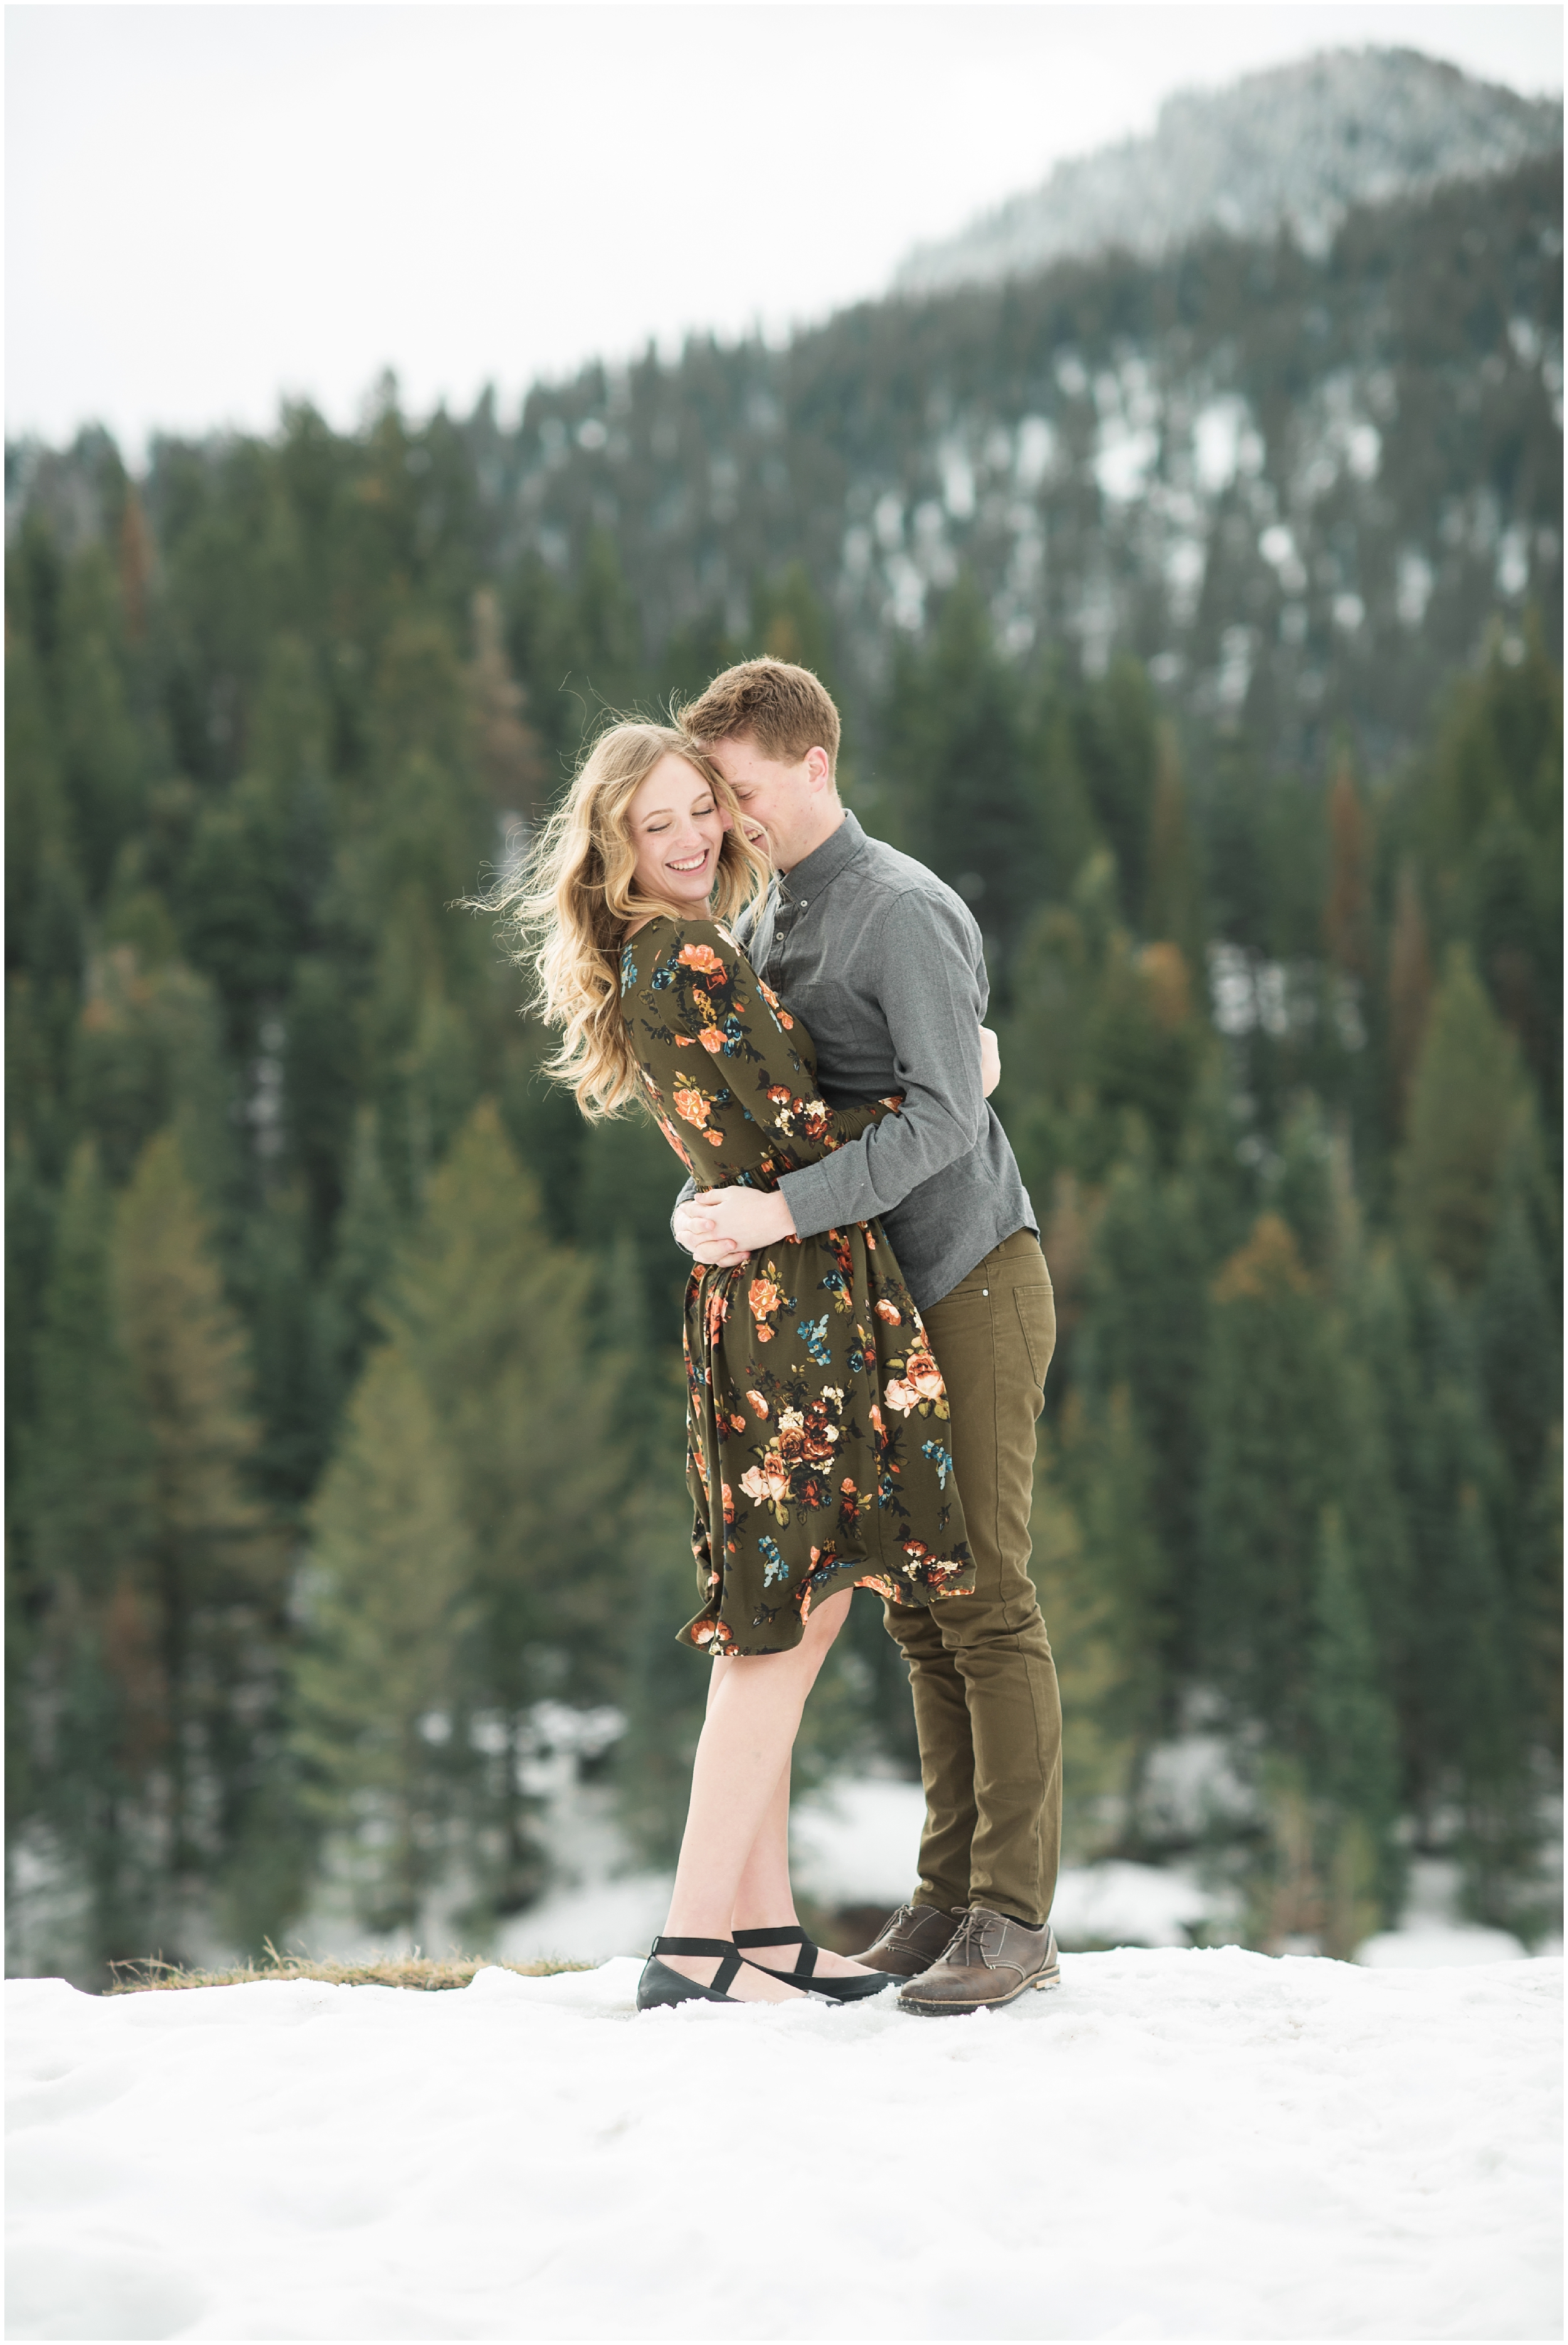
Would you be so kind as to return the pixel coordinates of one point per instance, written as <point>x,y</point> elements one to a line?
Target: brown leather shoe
<point>991,1961</point>
<point>910,1941</point>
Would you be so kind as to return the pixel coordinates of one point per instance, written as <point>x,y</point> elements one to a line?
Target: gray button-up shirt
<point>885,965</point>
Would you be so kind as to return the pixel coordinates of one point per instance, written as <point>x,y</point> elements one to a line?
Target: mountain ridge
<point>1300,491</point>
<point>1295,148</point>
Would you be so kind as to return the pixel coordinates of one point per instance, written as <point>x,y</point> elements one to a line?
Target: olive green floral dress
<point>818,1450</point>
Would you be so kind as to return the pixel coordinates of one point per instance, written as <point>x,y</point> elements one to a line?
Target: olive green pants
<point>986,1708</point>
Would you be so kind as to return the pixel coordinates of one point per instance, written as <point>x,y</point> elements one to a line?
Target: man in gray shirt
<point>885,965</point>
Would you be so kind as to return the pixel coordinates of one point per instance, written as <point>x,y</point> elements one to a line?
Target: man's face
<point>784,797</point>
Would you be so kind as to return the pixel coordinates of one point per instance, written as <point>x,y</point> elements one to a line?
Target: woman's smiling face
<point>676,828</point>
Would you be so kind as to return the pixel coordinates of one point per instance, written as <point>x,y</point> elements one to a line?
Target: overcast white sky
<point>210,206</point>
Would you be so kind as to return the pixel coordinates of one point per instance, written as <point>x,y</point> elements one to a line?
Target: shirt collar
<point>824,863</point>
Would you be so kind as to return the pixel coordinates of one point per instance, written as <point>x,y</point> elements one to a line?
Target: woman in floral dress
<point>817,1456</point>
<point>818,1452</point>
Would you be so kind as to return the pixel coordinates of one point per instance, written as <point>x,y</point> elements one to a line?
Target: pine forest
<point>1199,622</point>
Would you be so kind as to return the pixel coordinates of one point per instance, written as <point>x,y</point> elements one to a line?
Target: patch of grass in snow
<point>427,1972</point>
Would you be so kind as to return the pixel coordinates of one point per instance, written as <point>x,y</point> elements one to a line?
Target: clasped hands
<point>723,1226</point>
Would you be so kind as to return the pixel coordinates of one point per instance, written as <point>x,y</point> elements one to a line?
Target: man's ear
<point>819,769</point>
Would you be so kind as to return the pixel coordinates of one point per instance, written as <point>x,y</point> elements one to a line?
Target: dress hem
<point>847,1575</point>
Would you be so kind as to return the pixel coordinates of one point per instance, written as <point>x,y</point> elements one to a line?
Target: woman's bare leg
<point>764,1897</point>
<point>743,1763</point>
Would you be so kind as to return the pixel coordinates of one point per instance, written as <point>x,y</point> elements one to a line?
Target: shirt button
<point>985,1289</point>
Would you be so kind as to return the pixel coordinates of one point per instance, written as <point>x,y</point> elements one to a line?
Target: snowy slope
<point>1295,146</point>
<point>1177,2145</point>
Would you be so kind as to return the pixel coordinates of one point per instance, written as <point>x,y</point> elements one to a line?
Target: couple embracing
<point>868,1322</point>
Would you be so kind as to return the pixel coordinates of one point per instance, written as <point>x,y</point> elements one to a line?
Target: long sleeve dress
<point>818,1454</point>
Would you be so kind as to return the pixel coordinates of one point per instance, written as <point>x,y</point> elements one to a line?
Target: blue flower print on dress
<point>941,1458</point>
<point>774,1566</point>
<point>812,1333</point>
<point>628,969</point>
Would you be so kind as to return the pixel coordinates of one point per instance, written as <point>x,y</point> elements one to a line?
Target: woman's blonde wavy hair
<point>569,904</point>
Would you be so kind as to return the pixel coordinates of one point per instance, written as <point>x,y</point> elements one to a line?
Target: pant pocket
<point>1037,1309</point>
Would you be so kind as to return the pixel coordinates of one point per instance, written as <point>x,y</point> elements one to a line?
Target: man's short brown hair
<point>784,709</point>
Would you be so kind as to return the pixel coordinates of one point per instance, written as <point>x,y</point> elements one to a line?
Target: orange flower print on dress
<point>711,1040</point>
<point>692,1105</point>
<point>718,1311</point>
<point>776,1006</point>
<point>880,1585</point>
<point>888,1312</point>
<point>764,1299</point>
<point>703,959</point>
<point>758,1403</point>
<point>673,1137</point>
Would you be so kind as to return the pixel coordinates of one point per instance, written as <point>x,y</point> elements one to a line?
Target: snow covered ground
<point>1179,2144</point>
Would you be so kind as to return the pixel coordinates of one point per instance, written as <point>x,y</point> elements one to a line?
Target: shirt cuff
<point>818,1200</point>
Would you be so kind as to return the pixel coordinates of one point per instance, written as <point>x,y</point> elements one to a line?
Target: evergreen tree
<point>379,1729</point>
<point>295,1350</point>
<point>1146,1339</point>
<point>1489,1742</point>
<point>321,1071</point>
<point>1147,1042</point>
<point>94,1695</point>
<point>148,1053</point>
<point>366,1233</point>
<point>1068,830</point>
<point>1347,908</point>
<point>581,651</point>
<point>1518,1324</point>
<point>1100,1730</point>
<point>1271,1467</point>
<point>86,1474</point>
<point>507,748</point>
<point>1354,1764</point>
<point>1108,1470</point>
<point>101,756</point>
<point>1410,986</point>
<point>1467,1105</point>
<point>1542,1595</point>
<point>1171,907</point>
<point>1492,821</point>
<point>1462,1668</point>
<point>954,757</point>
<point>1117,752</point>
<point>213,1570</point>
<point>495,1322</point>
<point>789,623</point>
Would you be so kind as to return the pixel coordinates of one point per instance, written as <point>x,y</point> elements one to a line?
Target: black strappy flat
<point>841,1990</point>
<point>660,1985</point>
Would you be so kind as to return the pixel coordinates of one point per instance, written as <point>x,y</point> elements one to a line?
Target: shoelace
<point>970,1943</point>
